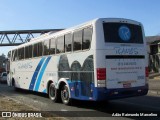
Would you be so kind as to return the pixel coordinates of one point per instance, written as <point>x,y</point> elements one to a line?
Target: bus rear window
<point>122,33</point>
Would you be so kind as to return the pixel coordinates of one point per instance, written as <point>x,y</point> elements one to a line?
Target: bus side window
<point>87,37</point>
<point>26,52</point>
<point>14,55</point>
<point>13,51</point>
<point>35,50</point>
<point>77,38</point>
<point>68,42</point>
<point>30,51</point>
<point>21,53</point>
<point>40,49</point>
<point>46,47</point>
<point>52,46</point>
<point>9,54</point>
<point>60,45</point>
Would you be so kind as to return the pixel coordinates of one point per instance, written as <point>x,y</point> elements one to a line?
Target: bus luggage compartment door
<point>125,72</point>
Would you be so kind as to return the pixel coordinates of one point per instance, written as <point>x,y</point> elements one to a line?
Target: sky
<point>54,14</point>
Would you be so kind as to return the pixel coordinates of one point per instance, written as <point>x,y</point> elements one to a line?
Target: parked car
<point>3,77</point>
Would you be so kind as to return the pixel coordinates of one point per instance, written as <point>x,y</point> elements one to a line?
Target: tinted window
<point>122,33</point>
<point>77,38</point>
<point>52,46</point>
<point>9,54</point>
<point>27,52</point>
<point>35,50</point>
<point>60,45</point>
<point>87,37</point>
<point>14,55</point>
<point>30,51</point>
<point>68,42</point>
<point>40,49</point>
<point>21,53</point>
<point>46,47</point>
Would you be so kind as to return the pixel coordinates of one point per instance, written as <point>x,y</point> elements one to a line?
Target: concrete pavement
<point>152,75</point>
<point>154,84</point>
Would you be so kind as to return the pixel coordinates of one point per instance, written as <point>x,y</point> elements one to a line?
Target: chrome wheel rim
<point>65,94</point>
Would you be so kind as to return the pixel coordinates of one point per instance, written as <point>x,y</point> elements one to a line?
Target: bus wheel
<point>65,95</point>
<point>53,93</point>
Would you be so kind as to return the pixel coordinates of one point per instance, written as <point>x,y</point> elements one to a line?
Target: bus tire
<point>53,93</point>
<point>65,95</point>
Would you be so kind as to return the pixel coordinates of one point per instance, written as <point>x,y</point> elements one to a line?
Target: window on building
<point>87,37</point>
<point>77,38</point>
<point>68,42</point>
<point>60,45</point>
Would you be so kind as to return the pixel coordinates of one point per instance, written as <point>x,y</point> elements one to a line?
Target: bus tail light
<point>146,71</point>
<point>101,73</point>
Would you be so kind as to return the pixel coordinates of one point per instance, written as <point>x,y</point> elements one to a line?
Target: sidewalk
<point>154,84</point>
<point>153,75</point>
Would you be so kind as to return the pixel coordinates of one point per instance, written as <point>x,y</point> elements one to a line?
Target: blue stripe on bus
<point>34,77</point>
<point>41,73</point>
<point>44,91</point>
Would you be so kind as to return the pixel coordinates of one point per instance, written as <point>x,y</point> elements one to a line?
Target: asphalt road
<point>149,103</point>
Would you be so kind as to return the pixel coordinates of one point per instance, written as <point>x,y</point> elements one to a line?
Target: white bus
<point>103,59</point>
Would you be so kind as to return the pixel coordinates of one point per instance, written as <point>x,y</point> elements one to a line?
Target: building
<point>153,49</point>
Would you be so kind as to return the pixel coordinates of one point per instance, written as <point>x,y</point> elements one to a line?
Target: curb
<point>151,76</point>
<point>154,92</point>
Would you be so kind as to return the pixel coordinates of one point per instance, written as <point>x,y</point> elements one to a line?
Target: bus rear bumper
<point>102,93</point>
<point>110,94</point>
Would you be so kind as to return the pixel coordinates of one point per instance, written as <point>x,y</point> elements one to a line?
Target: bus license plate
<point>126,85</point>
